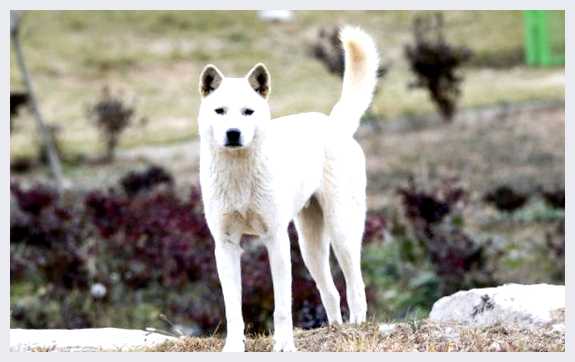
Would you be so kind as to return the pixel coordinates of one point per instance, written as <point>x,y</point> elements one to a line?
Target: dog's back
<point>310,147</point>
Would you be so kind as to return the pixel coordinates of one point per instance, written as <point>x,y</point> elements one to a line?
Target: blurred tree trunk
<point>111,143</point>
<point>45,135</point>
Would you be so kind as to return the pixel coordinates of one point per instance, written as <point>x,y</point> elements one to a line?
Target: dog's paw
<point>357,313</point>
<point>284,346</point>
<point>235,345</point>
<point>357,319</point>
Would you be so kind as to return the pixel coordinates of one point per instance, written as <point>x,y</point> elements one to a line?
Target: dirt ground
<point>524,147</point>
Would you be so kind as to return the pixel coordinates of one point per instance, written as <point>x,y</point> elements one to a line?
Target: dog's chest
<point>240,202</point>
<point>243,213</point>
<point>246,223</point>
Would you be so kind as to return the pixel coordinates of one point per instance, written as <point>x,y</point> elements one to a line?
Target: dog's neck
<point>237,167</point>
<point>237,176</point>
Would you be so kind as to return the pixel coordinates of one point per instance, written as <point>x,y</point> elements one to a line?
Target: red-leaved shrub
<point>151,242</point>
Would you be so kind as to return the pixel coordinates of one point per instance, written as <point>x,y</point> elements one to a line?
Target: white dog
<point>258,173</point>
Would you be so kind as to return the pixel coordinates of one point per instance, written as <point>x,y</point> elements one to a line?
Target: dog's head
<point>233,109</point>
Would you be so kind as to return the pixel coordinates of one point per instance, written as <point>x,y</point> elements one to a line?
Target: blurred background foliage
<point>155,57</point>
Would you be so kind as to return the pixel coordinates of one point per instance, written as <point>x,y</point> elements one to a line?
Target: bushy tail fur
<point>359,78</point>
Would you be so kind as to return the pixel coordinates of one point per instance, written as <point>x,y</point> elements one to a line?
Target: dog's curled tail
<point>359,78</point>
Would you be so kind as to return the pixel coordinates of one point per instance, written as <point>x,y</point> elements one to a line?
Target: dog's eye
<point>247,112</point>
<point>220,110</point>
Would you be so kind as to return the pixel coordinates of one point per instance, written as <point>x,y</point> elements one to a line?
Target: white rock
<point>89,339</point>
<point>523,305</point>
<point>98,290</point>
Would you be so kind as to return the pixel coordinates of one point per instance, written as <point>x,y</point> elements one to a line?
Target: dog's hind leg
<point>345,221</point>
<point>314,246</point>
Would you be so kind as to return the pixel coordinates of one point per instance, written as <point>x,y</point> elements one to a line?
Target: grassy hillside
<point>156,57</point>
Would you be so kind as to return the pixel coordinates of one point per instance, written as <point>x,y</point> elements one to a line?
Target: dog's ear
<point>210,79</point>
<point>259,79</point>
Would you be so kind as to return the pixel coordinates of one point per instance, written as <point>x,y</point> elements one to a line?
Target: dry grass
<point>421,336</point>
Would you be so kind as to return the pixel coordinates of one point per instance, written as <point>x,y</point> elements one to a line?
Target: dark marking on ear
<point>210,80</point>
<point>259,79</point>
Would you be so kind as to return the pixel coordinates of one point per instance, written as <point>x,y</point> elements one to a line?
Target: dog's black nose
<point>233,137</point>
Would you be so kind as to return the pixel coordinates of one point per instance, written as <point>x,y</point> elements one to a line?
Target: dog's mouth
<point>233,145</point>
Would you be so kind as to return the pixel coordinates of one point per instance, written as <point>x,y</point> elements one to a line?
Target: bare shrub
<point>435,63</point>
<point>112,116</point>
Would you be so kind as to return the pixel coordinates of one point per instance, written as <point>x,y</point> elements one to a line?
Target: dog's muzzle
<point>233,138</point>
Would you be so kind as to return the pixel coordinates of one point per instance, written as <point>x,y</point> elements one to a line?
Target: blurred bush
<point>124,256</point>
<point>436,63</point>
<point>81,259</point>
<point>436,221</point>
<point>112,116</point>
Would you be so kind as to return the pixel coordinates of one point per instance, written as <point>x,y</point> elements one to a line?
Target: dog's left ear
<point>259,79</point>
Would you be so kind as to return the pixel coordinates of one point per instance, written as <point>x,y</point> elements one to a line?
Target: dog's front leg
<point>228,253</point>
<point>280,262</point>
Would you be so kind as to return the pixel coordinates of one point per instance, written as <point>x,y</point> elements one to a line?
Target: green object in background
<point>544,37</point>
